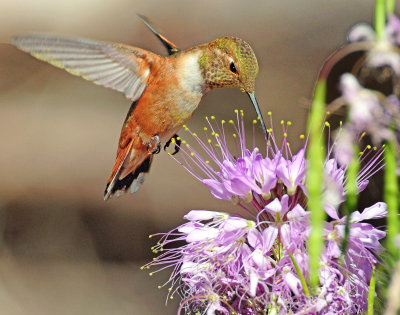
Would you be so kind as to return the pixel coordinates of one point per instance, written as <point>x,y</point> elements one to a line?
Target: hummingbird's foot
<point>175,139</point>
<point>156,145</point>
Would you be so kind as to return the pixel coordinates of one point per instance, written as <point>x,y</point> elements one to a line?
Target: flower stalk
<point>352,194</point>
<point>371,292</point>
<point>380,19</point>
<point>316,154</point>
<point>391,197</point>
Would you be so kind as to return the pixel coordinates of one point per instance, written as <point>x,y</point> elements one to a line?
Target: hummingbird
<point>164,90</point>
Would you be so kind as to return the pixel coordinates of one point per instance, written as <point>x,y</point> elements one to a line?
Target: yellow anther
<point>254,121</point>
<point>258,118</point>
<point>288,144</point>
<point>236,111</point>
<point>302,137</point>
<point>363,135</point>
<point>212,117</point>
<point>282,122</point>
<point>360,153</point>
<point>328,112</point>
<point>191,154</point>
<point>213,133</point>
<point>289,123</point>
<point>369,147</point>
<point>231,121</point>
<point>285,134</point>
<point>169,153</point>
<point>173,140</point>
<point>150,236</point>
<point>217,135</point>
<point>269,113</point>
<point>383,146</point>
<point>178,138</point>
<point>341,123</point>
<point>208,162</point>
<point>375,148</point>
<point>159,287</point>
<point>184,126</point>
<point>327,124</point>
<point>205,128</point>
<point>217,145</point>
<point>222,121</point>
<point>206,117</point>
<point>234,135</point>
<point>183,141</point>
<point>150,274</point>
<point>209,141</point>
<point>142,268</point>
<point>169,289</point>
<point>194,134</point>
<point>171,297</point>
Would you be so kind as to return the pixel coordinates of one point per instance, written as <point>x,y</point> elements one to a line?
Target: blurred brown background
<point>63,249</point>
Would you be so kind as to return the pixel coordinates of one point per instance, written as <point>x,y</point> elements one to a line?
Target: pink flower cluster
<point>230,264</point>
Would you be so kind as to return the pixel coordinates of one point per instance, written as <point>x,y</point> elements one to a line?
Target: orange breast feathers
<point>156,112</point>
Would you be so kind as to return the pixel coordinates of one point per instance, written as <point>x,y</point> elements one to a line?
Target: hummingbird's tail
<point>127,175</point>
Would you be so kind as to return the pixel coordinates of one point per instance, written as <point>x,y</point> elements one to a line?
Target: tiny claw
<point>157,146</point>
<point>178,142</point>
<point>168,143</point>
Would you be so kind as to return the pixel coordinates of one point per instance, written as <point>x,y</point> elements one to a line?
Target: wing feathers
<point>115,66</point>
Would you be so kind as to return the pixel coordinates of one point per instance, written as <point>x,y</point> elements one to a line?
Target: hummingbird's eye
<point>232,67</point>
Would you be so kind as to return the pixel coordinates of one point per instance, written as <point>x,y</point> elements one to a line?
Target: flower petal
<point>200,215</point>
<point>377,211</point>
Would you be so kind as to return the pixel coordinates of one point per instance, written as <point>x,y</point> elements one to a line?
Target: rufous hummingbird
<point>165,90</point>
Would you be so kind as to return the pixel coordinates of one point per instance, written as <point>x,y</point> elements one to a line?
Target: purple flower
<point>292,172</point>
<point>371,112</point>
<point>363,245</point>
<point>246,176</point>
<point>231,264</point>
<point>383,52</point>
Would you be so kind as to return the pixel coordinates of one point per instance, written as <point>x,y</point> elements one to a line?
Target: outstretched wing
<point>120,67</point>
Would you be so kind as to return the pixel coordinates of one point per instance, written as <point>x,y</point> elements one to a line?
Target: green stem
<point>316,157</point>
<point>300,274</point>
<point>380,19</point>
<point>371,293</point>
<point>390,5</point>
<point>391,191</point>
<point>351,195</point>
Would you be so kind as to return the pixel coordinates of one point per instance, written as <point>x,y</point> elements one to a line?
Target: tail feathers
<point>132,180</point>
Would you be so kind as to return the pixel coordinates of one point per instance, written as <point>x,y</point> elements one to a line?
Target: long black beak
<point>254,101</point>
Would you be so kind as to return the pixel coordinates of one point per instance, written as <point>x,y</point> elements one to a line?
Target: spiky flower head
<point>234,265</point>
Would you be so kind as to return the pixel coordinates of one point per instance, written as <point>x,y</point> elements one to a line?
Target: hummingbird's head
<point>229,62</point>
